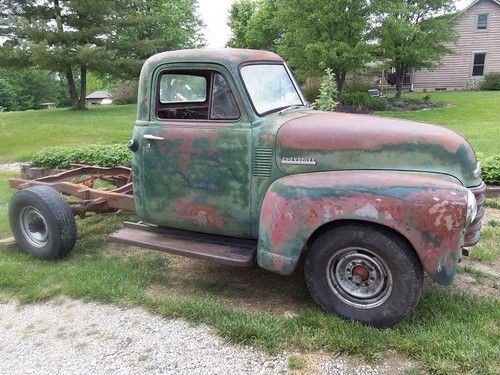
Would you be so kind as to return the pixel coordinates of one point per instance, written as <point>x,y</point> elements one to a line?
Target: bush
<point>363,101</point>
<point>491,170</point>
<point>124,93</point>
<point>491,82</point>
<point>327,93</point>
<point>357,85</point>
<point>63,157</point>
<point>311,88</point>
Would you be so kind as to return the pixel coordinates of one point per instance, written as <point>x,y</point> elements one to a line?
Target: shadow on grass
<point>449,333</point>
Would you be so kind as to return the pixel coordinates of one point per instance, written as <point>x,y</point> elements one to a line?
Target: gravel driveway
<point>10,167</point>
<point>72,337</point>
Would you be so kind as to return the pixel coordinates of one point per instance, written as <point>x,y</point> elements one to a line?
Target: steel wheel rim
<point>34,227</point>
<point>359,277</point>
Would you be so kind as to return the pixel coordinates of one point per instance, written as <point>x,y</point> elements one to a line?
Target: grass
<point>473,114</point>
<point>487,250</point>
<point>449,333</point>
<point>25,133</point>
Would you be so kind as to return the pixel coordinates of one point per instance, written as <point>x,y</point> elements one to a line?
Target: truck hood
<point>326,141</point>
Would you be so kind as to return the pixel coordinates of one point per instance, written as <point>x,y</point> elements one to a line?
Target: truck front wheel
<point>364,273</point>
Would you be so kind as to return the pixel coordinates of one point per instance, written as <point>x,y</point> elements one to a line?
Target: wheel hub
<point>34,226</point>
<point>359,277</point>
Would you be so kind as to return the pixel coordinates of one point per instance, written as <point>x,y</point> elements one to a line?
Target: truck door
<point>196,154</point>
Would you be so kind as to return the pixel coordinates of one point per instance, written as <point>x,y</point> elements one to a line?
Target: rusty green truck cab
<point>218,149</point>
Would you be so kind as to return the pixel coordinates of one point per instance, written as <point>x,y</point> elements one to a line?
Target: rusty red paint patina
<point>79,182</point>
<point>426,209</point>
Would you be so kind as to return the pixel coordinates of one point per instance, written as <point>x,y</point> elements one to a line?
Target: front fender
<point>429,210</point>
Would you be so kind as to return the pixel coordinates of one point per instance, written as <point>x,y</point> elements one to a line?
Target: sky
<point>214,14</point>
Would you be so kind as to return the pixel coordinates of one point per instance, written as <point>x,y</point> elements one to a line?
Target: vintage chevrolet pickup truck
<point>231,164</point>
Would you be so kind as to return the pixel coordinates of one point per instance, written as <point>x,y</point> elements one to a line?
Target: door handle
<point>152,137</point>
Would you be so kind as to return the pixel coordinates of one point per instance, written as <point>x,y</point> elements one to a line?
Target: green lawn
<point>24,133</point>
<point>475,115</point>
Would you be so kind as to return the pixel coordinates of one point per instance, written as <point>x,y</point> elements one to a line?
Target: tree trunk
<point>340,80</point>
<point>400,74</point>
<point>73,95</point>
<point>83,87</point>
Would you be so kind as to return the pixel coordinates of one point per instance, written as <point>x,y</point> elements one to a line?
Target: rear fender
<point>429,210</point>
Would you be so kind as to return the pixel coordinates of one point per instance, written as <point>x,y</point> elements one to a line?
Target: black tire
<point>42,222</point>
<point>364,273</point>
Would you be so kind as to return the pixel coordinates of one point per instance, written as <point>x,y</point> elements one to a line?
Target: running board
<point>218,249</point>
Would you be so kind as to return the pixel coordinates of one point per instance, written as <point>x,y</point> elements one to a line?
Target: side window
<point>175,88</point>
<point>478,65</point>
<point>183,95</point>
<point>224,105</point>
<point>482,21</point>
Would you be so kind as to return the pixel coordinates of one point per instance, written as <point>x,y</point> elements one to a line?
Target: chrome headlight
<point>477,172</point>
<point>471,208</point>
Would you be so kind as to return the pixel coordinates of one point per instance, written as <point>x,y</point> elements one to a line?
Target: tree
<point>254,24</point>
<point>264,30</point>
<point>413,34</point>
<point>154,26</point>
<point>22,89</point>
<point>239,15</point>
<point>73,37</point>
<point>322,34</point>
<point>327,93</point>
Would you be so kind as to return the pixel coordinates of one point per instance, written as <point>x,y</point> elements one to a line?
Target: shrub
<point>63,157</point>
<point>357,85</point>
<point>491,82</point>
<point>327,93</point>
<point>124,93</point>
<point>360,99</point>
<point>363,101</point>
<point>311,88</point>
<point>491,169</point>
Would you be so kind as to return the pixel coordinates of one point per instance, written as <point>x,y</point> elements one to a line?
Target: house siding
<point>455,70</point>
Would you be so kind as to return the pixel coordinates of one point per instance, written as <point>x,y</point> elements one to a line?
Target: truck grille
<point>473,231</point>
<point>262,161</point>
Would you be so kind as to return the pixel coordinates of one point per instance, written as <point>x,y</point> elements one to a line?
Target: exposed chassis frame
<point>79,182</point>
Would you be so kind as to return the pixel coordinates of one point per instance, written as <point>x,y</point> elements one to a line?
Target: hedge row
<point>118,154</point>
<point>63,157</point>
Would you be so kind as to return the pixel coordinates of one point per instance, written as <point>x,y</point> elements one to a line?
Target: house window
<point>478,66</point>
<point>407,78</point>
<point>482,21</point>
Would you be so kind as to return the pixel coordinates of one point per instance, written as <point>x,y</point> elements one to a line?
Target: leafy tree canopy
<point>413,34</point>
<point>239,15</point>
<point>322,34</point>
<point>311,34</point>
<point>106,36</point>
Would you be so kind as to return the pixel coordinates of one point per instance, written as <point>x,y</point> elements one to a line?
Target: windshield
<point>270,87</point>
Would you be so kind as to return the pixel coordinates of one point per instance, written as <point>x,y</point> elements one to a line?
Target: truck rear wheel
<point>42,222</point>
<point>364,273</point>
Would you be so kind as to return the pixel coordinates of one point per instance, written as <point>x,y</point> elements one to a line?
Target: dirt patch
<point>490,214</point>
<point>491,269</point>
<point>475,278</point>
<point>321,363</point>
<point>251,289</point>
<point>465,282</point>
